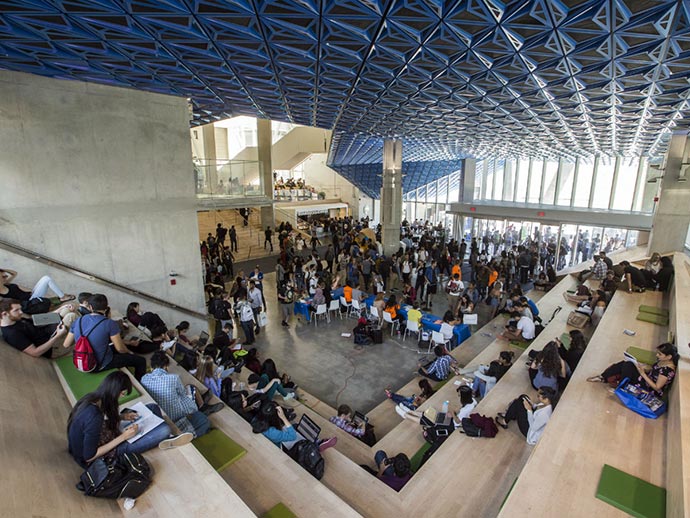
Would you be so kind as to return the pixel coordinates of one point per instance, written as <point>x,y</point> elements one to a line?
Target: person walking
<point>268,234</point>
<point>233,238</point>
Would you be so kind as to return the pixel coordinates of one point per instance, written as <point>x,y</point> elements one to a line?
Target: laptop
<point>434,416</point>
<point>46,319</point>
<point>203,339</point>
<point>360,418</point>
<point>308,428</point>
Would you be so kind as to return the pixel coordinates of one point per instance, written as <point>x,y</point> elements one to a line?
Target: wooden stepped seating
<point>279,511</point>
<point>630,494</point>
<point>266,476</point>
<point>591,427</point>
<point>218,449</point>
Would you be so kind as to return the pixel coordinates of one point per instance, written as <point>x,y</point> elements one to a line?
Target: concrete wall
<point>323,178</point>
<point>99,178</point>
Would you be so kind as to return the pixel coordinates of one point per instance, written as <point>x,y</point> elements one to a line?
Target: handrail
<point>24,252</point>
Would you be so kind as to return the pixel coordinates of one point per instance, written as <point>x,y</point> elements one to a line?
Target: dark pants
<point>127,360</point>
<point>524,271</point>
<point>233,245</point>
<point>623,369</point>
<point>248,328</point>
<point>269,242</point>
<point>517,412</point>
<point>432,377</point>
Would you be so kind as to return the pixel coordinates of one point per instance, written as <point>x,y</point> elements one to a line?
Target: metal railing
<point>30,254</point>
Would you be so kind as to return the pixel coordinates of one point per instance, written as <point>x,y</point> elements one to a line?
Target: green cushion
<point>631,494</point>
<point>653,319</point>
<point>565,340</point>
<point>279,511</point>
<point>81,383</point>
<point>642,355</point>
<point>441,383</point>
<point>520,344</point>
<point>654,310</point>
<point>218,449</point>
<point>416,459</point>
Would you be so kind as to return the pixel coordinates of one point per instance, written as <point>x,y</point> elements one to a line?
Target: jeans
<point>44,284</point>
<point>479,385</point>
<point>127,360</point>
<point>200,423</point>
<point>151,439</point>
<point>248,328</point>
<point>407,401</point>
<point>432,377</point>
<point>379,458</point>
<point>277,387</point>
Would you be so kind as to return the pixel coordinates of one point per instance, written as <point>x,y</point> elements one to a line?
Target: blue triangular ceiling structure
<point>455,78</point>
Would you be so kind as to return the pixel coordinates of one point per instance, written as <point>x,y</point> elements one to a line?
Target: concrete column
<point>208,138</point>
<point>391,196</point>
<point>263,149</point>
<point>672,215</point>
<point>469,169</point>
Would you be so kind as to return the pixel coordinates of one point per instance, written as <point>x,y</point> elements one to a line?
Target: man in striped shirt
<point>344,421</point>
<point>439,369</point>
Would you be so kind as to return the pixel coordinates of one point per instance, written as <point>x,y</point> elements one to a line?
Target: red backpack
<point>84,356</point>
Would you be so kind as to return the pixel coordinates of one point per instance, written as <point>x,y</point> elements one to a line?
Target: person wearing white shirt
<point>519,328</point>
<point>467,404</point>
<point>532,419</point>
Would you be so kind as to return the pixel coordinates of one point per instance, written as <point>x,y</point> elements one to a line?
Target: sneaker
<point>327,443</point>
<point>290,395</point>
<point>400,411</point>
<point>211,409</point>
<point>174,442</point>
<point>129,503</point>
<point>284,323</point>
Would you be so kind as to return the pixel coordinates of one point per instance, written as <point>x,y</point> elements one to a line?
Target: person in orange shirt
<point>456,269</point>
<point>392,308</point>
<point>493,276</point>
<point>347,293</point>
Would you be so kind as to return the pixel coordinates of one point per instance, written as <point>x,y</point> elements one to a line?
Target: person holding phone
<point>531,418</point>
<point>394,472</point>
<point>94,425</point>
<point>24,336</point>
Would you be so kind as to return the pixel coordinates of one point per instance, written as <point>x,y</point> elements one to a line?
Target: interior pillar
<point>208,137</point>
<point>469,169</point>
<point>391,196</point>
<point>263,150</point>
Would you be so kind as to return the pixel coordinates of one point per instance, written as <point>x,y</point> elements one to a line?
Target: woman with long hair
<point>413,401</point>
<point>548,369</point>
<point>93,426</point>
<point>531,418</point>
<point>655,378</point>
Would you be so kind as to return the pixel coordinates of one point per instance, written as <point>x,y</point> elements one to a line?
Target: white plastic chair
<point>322,310</point>
<point>355,309</point>
<point>375,313</point>
<point>345,303</point>
<point>447,332</point>
<point>412,327</point>
<point>389,320</point>
<point>334,306</point>
<point>437,338</point>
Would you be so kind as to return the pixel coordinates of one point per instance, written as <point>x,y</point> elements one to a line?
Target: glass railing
<point>305,193</point>
<point>228,178</point>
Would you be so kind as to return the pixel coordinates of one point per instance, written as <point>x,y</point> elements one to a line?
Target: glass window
<point>602,189</point>
<point>585,173</point>
<point>625,183</point>
<point>509,180</point>
<point>549,181</point>
<point>454,187</point>
<point>431,192</point>
<point>535,181</point>
<point>521,183</point>
<point>411,196</point>
<point>488,180</point>
<point>614,239</point>
<point>442,190</point>
<point>478,178</point>
<point>565,187</point>
<point>499,166</point>
<point>421,194</point>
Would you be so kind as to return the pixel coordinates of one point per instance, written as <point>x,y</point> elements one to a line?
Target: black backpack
<point>307,455</point>
<point>127,476</point>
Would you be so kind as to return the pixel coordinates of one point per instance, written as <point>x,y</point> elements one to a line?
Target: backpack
<point>84,357</point>
<point>307,455</point>
<point>478,425</point>
<point>127,476</point>
<point>246,313</point>
<point>220,312</point>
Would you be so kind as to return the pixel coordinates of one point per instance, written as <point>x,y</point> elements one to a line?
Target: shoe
<point>178,440</point>
<point>501,422</point>
<point>327,443</point>
<point>289,396</point>
<point>595,379</point>
<point>129,503</point>
<point>284,323</point>
<point>206,397</point>
<point>400,411</point>
<point>211,409</point>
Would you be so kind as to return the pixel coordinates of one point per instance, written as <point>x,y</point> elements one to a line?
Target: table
<point>461,331</point>
<point>301,307</point>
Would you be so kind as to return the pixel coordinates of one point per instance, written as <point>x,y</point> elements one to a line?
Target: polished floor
<point>330,367</point>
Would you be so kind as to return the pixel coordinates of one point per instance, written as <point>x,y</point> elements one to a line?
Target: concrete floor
<point>331,368</point>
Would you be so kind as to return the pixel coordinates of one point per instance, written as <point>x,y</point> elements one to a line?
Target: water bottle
<point>445,407</point>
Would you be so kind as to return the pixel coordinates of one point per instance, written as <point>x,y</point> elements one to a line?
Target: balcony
<point>228,179</point>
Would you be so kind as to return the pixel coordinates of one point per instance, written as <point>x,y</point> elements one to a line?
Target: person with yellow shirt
<point>414,315</point>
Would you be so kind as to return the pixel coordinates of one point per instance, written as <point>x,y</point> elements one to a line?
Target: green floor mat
<point>279,511</point>
<point>653,319</point>
<point>81,383</point>
<point>642,355</point>
<point>631,494</point>
<point>441,383</point>
<point>416,459</point>
<point>218,449</point>
<point>654,310</point>
<point>520,343</point>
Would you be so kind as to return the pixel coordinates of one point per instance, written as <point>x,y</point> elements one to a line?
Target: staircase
<point>250,239</point>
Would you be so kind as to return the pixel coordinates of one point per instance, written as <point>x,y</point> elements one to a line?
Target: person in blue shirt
<point>431,274</point>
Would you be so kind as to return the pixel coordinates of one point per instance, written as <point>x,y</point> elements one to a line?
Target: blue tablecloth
<point>302,308</point>
<point>461,331</point>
